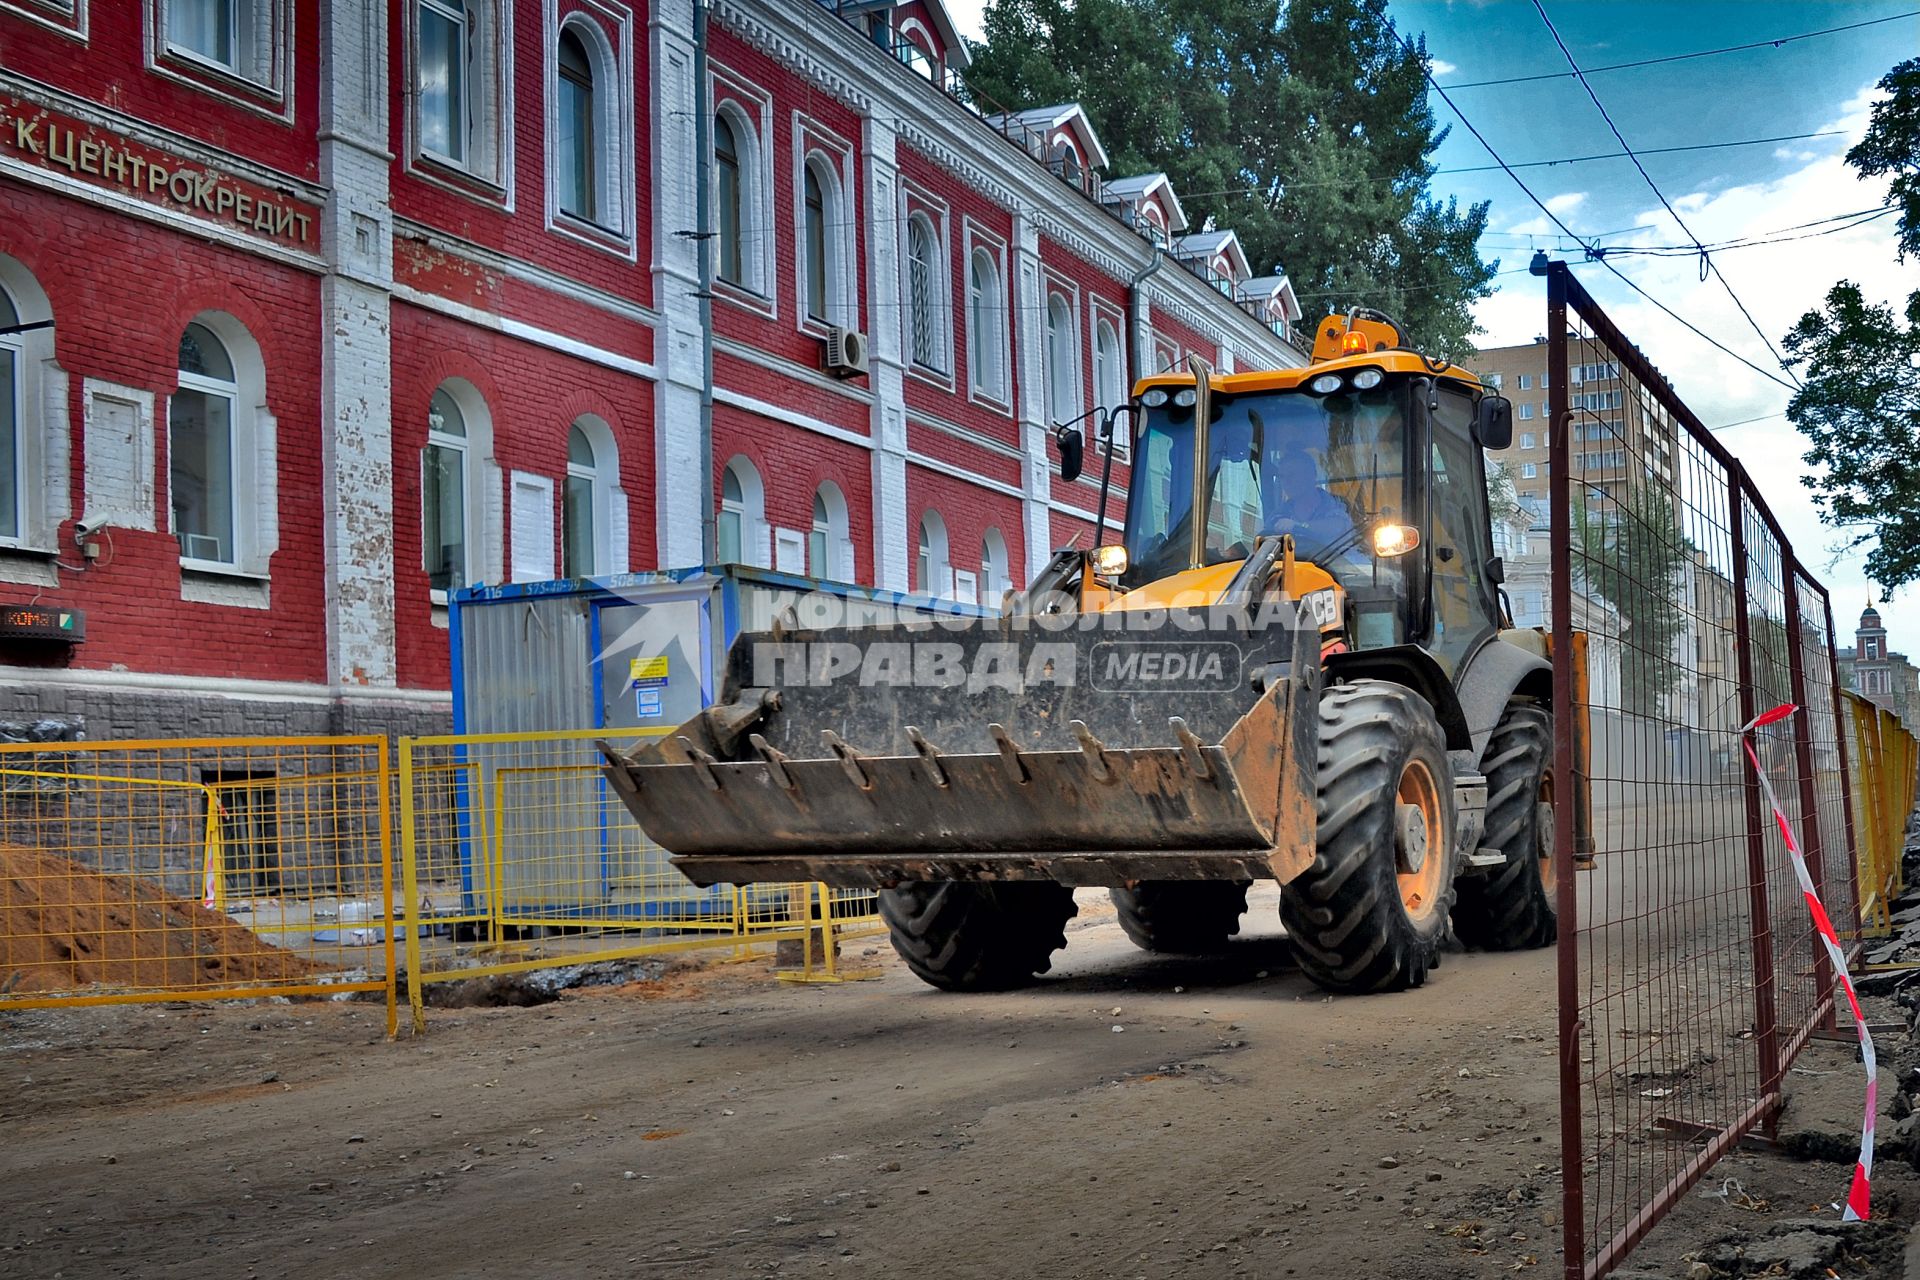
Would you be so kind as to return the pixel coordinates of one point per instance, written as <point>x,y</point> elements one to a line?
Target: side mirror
<point>1493,422</point>
<point>1073,447</point>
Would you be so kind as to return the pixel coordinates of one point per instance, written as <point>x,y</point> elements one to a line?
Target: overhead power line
<point>1369,179</point>
<point>1706,259</point>
<point>1684,57</point>
<point>1520,182</point>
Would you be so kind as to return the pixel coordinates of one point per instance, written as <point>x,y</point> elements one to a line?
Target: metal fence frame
<point>1790,984</point>
<point>91,803</point>
<point>504,845</point>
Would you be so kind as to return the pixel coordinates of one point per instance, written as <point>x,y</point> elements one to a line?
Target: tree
<point>1859,407</point>
<point>1860,410</point>
<point>1635,556</point>
<point>1306,130</point>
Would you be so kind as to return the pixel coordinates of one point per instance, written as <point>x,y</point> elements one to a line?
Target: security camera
<point>91,523</point>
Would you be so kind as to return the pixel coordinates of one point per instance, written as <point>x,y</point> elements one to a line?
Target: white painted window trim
<point>756,547</point>
<point>1052,285</point>
<point>1101,311</point>
<point>616,231</point>
<point>487,178</point>
<point>917,203</point>
<point>253,457</point>
<point>42,444</point>
<point>609,499</point>
<point>836,533</point>
<point>482,506</point>
<point>996,572</point>
<point>996,348</point>
<point>760,244</point>
<point>212,389</point>
<point>64,17</point>
<point>937,580</point>
<point>814,142</point>
<point>935,51</point>
<point>265,86</point>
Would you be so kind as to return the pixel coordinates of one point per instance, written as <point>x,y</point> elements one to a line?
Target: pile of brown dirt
<point>64,926</point>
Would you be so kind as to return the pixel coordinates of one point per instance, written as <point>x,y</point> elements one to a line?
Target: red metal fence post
<point>1766,1022</point>
<point>1573,1208</point>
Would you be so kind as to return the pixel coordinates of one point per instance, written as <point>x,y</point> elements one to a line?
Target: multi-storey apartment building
<point>312,311</point>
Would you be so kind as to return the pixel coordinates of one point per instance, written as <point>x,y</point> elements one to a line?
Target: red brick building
<point>312,311</point>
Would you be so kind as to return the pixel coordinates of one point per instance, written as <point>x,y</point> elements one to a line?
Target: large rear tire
<point>977,936</point>
<point>1511,908</point>
<point>1370,914</point>
<point>1181,917</point>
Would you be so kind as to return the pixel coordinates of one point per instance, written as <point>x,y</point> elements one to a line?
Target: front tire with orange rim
<point>1371,912</point>
<point>1511,907</point>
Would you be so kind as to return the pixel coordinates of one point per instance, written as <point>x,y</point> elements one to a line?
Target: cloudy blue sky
<point>1818,85</point>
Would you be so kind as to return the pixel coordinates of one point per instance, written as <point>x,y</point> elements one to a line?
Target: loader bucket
<point>983,749</point>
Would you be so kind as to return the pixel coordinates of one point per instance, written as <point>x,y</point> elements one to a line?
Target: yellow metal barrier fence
<point>516,855</point>
<point>194,869</point>
<point>1884,763</point>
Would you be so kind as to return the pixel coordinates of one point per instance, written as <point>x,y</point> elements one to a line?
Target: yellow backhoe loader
<point>1295,665</point>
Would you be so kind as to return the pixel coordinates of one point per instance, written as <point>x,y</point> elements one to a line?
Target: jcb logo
<point>1321,607</point>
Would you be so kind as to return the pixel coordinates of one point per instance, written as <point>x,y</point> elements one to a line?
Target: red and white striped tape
<point>1859,1193</point>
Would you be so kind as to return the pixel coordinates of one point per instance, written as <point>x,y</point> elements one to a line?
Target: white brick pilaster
<point>1029,341</point>
<point>356,344</point>
<point>674,98</point>
<point>892,539</point>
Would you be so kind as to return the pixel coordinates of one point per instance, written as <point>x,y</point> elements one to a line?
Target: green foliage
<point>1304,127</point>
<point>1892,145</point>
<point>1860,412</point>
<point>1634,554</point>
<point>1859,407</point>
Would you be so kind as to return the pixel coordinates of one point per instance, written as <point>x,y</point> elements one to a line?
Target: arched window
<point>924,279</point>
<point>13,480</point>
<point>200,448</point>
<point>932,574</point>
<point>994,579</point>
<point>1063,373</point>
<point>443,494</point>
<point>34,440</point>
<point>819,257</point>
<point>730,265</point>
<point>829,549</point>
<point>578,170</point>
<point>1066,163</point>
<point>1110,377</point>
<point>986,340</point>
<point>741,527</point>
<point>579,537</point>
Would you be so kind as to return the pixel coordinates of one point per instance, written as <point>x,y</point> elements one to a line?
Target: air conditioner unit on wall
<point>846,351</point>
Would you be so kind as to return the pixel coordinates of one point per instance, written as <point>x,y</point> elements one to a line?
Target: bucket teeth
<point>1190,748</point>
<point>1094,749</point>
<point>701,761</point>
<point>1010,754</point>
<point>929,756</point>
<point>849,759</point>
<point>776,761</point>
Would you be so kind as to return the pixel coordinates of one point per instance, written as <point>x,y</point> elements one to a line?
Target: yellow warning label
<point>647,669</point>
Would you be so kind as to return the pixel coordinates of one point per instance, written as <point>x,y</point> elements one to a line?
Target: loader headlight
<point>1155,397</point>
<point>1109,561</point>
<point>1395,539</point>
<point>1326,384</point>
<point>1185,397</point>
<point>1367,379</point>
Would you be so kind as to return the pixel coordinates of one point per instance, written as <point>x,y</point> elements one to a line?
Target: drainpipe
<point>703,237</point>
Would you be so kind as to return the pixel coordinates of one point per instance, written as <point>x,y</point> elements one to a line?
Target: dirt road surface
<point>1130,1116</point>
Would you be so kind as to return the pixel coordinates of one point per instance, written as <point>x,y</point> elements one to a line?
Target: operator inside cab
<point>1294,499</point>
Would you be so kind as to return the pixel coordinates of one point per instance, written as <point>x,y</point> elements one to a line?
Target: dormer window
<point>1066,163</point>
